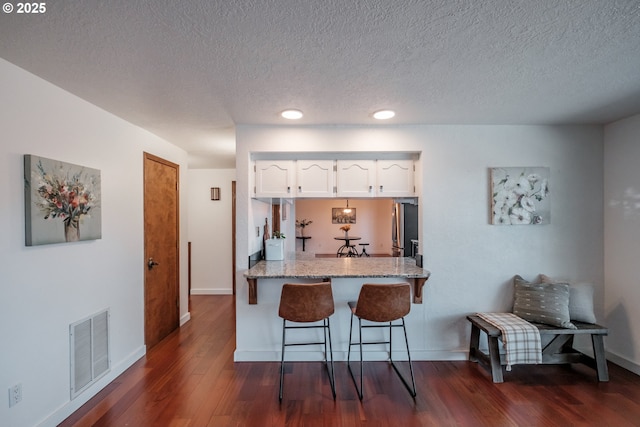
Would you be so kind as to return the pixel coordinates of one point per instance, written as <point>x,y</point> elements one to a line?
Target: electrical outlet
<point>15,394</point>
<point>257,231</point>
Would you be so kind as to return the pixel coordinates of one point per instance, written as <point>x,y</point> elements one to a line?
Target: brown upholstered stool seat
<point>307,303</point>
<point>381,303</point>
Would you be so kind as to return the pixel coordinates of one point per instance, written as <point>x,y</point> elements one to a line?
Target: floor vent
<point>89,345</point>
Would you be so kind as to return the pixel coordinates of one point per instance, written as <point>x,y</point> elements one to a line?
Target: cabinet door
<point>356,178</point>
<point>275,178</point>
<point>395,178</point>
<point>315,178</point>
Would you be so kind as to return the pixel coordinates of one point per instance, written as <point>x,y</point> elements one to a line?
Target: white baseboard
<point>205,291</point>
<point>71,406</point>
<point>623,362</point>
<point>341,356</point>
<point>185,318</point>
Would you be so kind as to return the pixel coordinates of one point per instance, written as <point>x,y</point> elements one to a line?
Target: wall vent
<point>89,350</point>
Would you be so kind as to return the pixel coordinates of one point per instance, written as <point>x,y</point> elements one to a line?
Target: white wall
<point>210,231</point>
<point>622,241</point>
<point>471,262</point>
<point>44,289</point>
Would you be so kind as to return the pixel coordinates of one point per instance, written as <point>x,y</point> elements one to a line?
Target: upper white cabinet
<point>395,178</point>
<point>375,178</point>
<point>356,178</point>
<point>348,179</point>
<point>315,178</point>
<point>275,178</point>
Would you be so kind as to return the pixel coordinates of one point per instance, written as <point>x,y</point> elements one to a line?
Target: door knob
<point>151,263</point>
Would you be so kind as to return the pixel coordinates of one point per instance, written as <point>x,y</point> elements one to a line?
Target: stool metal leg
<point>361,358</point>
<point>359,389</point>
<point>328,355</point>
<point>284,329</point>
<point>412,388</point>
<point>330,372</point>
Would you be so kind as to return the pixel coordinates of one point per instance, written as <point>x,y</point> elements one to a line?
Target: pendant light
<point>347,209</point>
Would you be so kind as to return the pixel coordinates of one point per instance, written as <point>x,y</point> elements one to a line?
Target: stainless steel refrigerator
<point>404,229</point>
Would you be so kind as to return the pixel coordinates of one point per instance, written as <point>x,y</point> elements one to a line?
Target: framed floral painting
<point>62,202</point>
<point>520,196</point>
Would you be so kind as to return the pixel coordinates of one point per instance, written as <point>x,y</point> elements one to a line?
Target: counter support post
<point>253,290</point>
<point>418,284</point>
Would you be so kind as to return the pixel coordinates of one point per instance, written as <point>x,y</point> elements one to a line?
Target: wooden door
<point>161,237</point>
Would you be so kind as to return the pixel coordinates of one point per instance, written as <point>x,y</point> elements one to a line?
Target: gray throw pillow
<point>580,300</point>
<point>542,302</point>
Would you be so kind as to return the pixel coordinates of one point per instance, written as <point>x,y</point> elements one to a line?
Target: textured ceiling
<point>189,71</point>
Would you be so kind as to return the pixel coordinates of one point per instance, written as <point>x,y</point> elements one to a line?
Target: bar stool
<point>381,304</point>
<point>364,249</point>
<point>307,303</point>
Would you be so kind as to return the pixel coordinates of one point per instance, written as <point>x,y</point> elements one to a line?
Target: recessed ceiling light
<point>384,114</point>
<point>292,114</point>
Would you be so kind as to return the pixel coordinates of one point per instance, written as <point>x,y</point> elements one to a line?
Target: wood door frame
<point>275,218</point>
<point>233,236</point>
<point>151,157</point>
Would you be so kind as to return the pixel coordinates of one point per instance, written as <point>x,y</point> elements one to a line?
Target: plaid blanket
<point>521,340</point>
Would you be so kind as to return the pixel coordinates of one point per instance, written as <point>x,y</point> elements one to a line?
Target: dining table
<point>347,249</point>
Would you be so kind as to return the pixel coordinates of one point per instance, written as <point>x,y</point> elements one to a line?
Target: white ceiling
<point>190,70</point>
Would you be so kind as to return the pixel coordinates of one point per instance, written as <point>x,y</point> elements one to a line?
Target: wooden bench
<point>558,350</point>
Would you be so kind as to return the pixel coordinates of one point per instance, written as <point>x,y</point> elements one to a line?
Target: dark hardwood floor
<point>334,255</point>
<point>190,379</point>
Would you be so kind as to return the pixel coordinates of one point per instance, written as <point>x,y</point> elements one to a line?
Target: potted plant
<point>275,247</point>
<point>301,224</point>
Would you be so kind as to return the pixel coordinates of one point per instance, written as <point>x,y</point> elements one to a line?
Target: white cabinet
<point>275,178</point>
<point>356,178</point>
<point>315,178</point>
<point>319,178</point>
<point>375,178</point>
<point>395,178</point>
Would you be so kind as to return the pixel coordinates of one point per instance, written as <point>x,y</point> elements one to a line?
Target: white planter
<point>274,249</point>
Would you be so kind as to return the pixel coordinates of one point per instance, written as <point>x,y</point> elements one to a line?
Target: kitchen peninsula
<point>330,268</point>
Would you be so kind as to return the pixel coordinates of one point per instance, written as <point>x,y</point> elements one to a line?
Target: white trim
<point>623,362</point>
<point>341,356</point>
<point>205,291</point>
<point>64,411</point>
<point>185,318</point>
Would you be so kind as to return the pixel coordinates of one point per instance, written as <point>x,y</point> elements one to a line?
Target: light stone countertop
<point>328,268</point>
<point>320,268</point>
